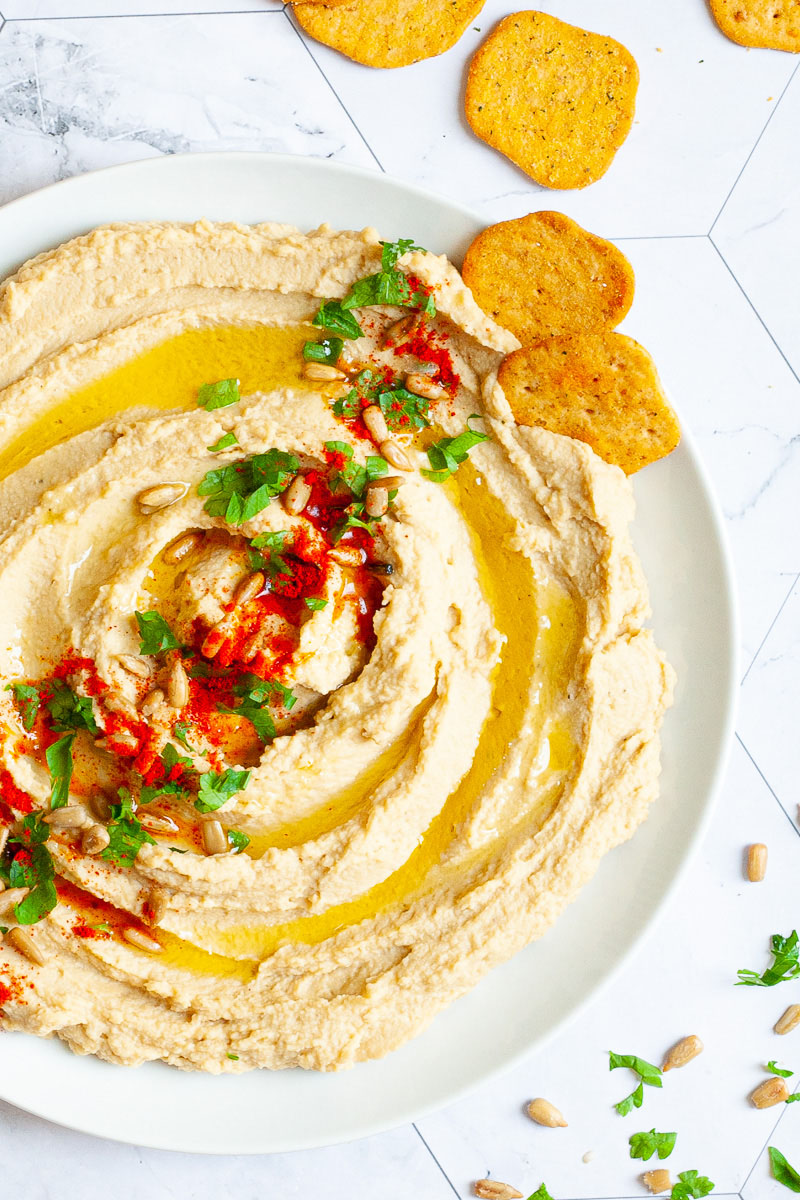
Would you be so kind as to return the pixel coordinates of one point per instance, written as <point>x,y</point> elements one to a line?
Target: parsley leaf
<point>155,633</point>
<point>70,711</point>
<point>240,490</point>
<point>327,351</point>
<point>354,517</point>
<point>28,700</point>
<point>691,1186</point>
<point>272,562</point>
<point>181,732</point>
<point>332,316</point>
<point>402,408</point>
<point>645,1145</point>
<point>256,714</point>
<point>34,869</point>
<point>227,439</point>
<point>256,694</point>
<point>232,1057</point>
<point>315,603</point>
<point>216,789</point>
<point>169,759</point>
<point>783,1171</point>
<point>390,285</point>
<point>353,475</point>
<point>774,1069</point>
<point>126,834</point>
<point>446,455</point>
<point>32,831</point>
<point>785,966</point>
<point>647,1072</point>
<point>541,1193</point>
<point>218,395</point>
<point>238,840</point>
<point>59,762</point>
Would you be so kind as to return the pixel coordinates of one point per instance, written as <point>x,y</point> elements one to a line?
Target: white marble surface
<point>705,198</point>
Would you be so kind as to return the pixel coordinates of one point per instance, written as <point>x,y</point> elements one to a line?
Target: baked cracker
<point>602,389</point>
<point>389,33</point>
<point>557,100</point>
<point>769,24</point>
<point>544,276</point>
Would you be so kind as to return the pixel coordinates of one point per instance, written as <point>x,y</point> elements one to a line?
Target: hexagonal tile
<point>692,135</point>
<point>78,95</point>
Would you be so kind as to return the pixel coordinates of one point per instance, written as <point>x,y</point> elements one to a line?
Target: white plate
<point>679,536</point>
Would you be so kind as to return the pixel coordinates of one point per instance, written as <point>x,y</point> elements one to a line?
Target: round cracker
<point>602,389</point>
<point>768,24</point>
<point>555,99</point>
<point>544,276</point>
<point>389,33</point>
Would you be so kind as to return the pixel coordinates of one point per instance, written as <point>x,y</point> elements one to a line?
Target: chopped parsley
<point>774,1069</point>
<point>34,869</point>
<point>180,731</point>
<point>327,351</point>
<point>647,1072</point>
<point>272,562</point>
<point>218,395</point>
<point>156,635</point>
<point>33,830</point>
<point>126,834</point>
<point>216,789</point>
<point>232,1057</point>
<point>353,475</point>
<point>390,285</point>
<point>244,488</point>
<point>28,700</point>
<point>227,439</point>
<point>541,1193</point>
<point>238,840</point>
<point>354,517</point>
<point>59,762</point>
<point>645,1145</point>
<point>256,695</point>
<point>315,603</point>
<point>169,759</point>
<point>333,317</point>
<point>785,964</point>
<point>783,1171</point>
<point>400,407</point>
<point>691,1186</point>
<point>446,455</point>
<point>70,711</point>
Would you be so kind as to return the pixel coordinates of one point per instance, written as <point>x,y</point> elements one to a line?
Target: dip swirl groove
<point>416,732</point>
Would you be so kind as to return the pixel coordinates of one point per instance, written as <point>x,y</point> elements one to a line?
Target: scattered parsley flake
<point>691,1186</point>
<point>232,1057</point>
<point>125,832</point>
<point>272,562</point>
<point>181,731</point>
<point>227,439</point>
<point>645,1145</point>
<point>238,840</point>
<point>783,1171</point>
<point>647,1072</point>
<point>785,966</point>
<point>774,1069</point>
<point>216,789</point>
<point>332,316</point>
<point>240,490</point>
<point>59,762</point>
<point>327,351</point>
<point>446,455</point>
<point>218,395</point>
<point>402,408</point>
<point>390,285</point>
<point>70,711</point>
<point>315,603</point>
<point>28,700</point>
<point>155,633</point>
<point>34,869</point>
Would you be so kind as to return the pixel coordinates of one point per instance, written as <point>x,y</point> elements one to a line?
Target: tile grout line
<point>755,147</point>
<point>757,314</point>
<point>341,103</point>
<point>767,784</point>
<point>770,1136</point>
<point>769,631</point>
<point>658,237</point>
<point>435,1159</point>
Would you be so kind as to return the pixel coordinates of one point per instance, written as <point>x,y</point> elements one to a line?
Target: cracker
<point>544,276</point>
<point>769,24</point>
<point>389,33</point>
<point>602,389</point>
<point>555,99</point>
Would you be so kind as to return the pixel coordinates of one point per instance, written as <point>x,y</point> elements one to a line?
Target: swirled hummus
<point>325,686</point>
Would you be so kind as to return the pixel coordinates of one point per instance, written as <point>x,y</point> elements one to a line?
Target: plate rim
<point>728,705</point>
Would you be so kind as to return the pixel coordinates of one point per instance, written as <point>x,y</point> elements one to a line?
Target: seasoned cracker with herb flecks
<point>555,99</point>
<point>388,33</point>
<point>768,24</point>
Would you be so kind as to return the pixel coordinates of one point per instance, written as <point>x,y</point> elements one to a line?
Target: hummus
<point>361,742</point>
